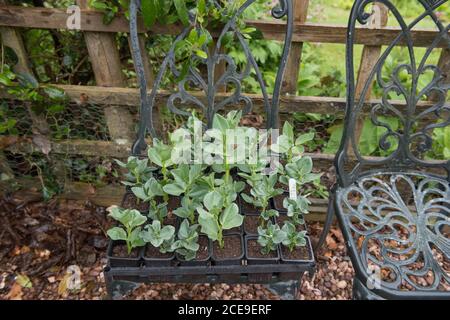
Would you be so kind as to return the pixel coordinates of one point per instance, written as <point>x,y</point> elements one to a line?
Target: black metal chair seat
<point>394,210</point>
<point>397,229</point>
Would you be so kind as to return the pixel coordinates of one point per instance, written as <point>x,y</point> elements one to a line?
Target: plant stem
<point>129,247</point>
<point>220,239</point>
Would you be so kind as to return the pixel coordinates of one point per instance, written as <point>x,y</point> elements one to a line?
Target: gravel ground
<point>39,242</point>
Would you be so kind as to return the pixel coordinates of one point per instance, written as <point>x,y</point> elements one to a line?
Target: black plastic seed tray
<point>211,269</point>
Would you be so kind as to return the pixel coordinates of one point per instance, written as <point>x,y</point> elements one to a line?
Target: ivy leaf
<point>149,12</point>
<point>182,11</point>
<point>4,80</point>
<point>54,93</point>
<point>201,7</point>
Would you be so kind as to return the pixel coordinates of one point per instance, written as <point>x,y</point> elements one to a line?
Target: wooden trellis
<point>111,94</point>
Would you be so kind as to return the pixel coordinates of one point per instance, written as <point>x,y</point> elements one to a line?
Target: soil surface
<point>173,203</point>
<point>299,253</point>
<point>40,241</point>
<point>121,251</point>
<point>232,248</point>
<point>131,202</point>
<point>248,208</point>
<point>251,224</point>
<point>152,252</point>
<point>237,230</point>
<point>254,250</point>
<point>203,252</point>
<point>278,202</point>
<point>171,220</point>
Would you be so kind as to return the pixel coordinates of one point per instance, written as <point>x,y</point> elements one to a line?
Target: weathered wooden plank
<point>369,59</point>
<point>70,147</point>
<point>109,195</point>
<point>295,55</point>
<point>288,104</point>
<point>95,148</point>
<point>105,60</point>
<point>48,18</point>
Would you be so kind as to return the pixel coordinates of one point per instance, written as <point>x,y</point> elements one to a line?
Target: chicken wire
<point>54,170</point>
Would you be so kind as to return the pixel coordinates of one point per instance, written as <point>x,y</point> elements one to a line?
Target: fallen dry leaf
<point>24,281</point>
<point>331,243</point>
<point>43,143</point>
<point>15,293</point>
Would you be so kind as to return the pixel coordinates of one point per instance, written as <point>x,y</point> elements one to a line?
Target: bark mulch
<point>45,246</point>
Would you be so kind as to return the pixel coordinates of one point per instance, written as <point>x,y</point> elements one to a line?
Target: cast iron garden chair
<point>207,83</point>
<point>394,211</point>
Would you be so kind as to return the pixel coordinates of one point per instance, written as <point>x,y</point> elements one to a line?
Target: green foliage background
<point>61,57</point>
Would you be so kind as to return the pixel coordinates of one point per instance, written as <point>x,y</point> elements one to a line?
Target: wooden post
<point>369,58</point>
<point>444,66</point>
<point>105,60</point>
<point>295,55</point>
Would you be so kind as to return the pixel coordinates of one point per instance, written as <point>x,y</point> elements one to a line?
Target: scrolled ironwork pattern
<point>405,238</point>
<point>394,213</point>
<point>208,85</point>
<point>408,144</point>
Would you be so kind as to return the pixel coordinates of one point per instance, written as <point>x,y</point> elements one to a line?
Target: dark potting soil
<point>299,253</point>
<point>130,202</point>
<point>170,220</point>
<point>278,201</point>
<point>152,252</point>
<point>251,224</point>
<point>173,203</point>
<point>202,252</point>
<point>121,251</point>
<point>235,230</point>
<point>248,208</point>
<point>232,248</point>
<point>280,185</point>
<point>254,250</point>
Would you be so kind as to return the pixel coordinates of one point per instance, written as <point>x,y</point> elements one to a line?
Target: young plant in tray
<point>130,229</point>
<point>187,243</point>
<point>186,182</point>
<point>162,237</point>
<point>301,171</point>
<point>293,238</point>
<point>219,145</point>
<point>138,171</point>
<point>161,155</point>
<point>218,216</point>
<point>252,170</point>
<point>270,237</point>
<point>288,146</point>
<point>261,194</point>
<point>150,192</point>
<point>296,208</point>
